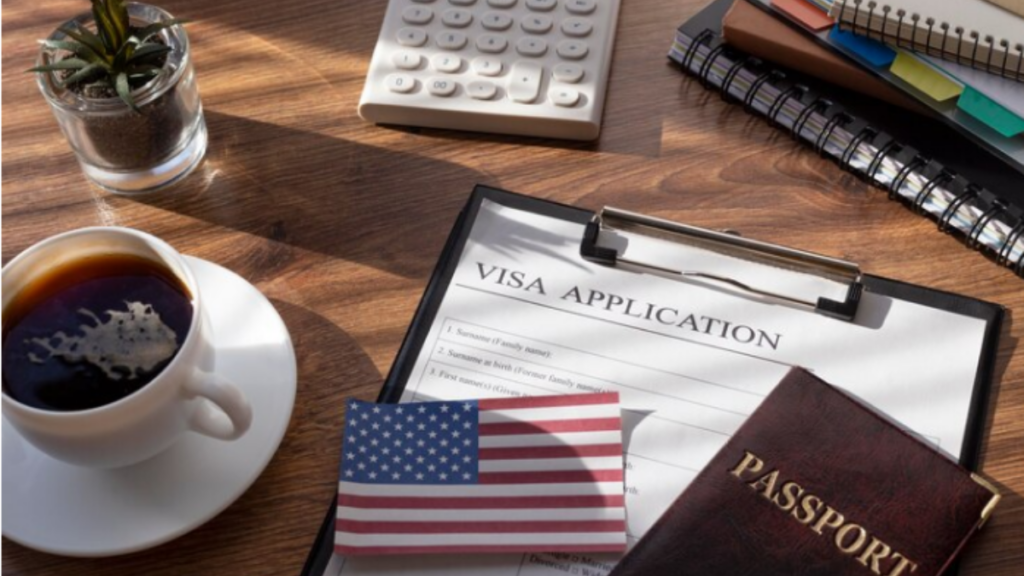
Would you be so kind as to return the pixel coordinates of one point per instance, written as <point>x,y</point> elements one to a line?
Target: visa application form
<point>526,315</point>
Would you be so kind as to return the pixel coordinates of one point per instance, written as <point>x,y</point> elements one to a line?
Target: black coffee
<point>92,332</point>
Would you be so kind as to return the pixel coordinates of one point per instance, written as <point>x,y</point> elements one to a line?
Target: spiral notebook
<point>974,32</point>
<point>984,220</point>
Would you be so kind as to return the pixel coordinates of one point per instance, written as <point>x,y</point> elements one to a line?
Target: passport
<point>817,483</point>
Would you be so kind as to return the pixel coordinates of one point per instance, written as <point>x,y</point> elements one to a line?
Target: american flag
<point>538,474</point>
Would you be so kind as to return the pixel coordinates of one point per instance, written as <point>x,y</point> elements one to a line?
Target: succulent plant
<point>116,55</point>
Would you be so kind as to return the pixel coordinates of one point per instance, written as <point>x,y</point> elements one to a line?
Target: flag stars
<point>432,442</point>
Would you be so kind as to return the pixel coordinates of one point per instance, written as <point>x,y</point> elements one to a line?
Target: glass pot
<point>126,151</point>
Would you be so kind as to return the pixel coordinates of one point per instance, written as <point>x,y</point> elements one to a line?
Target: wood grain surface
<point>340,223</point>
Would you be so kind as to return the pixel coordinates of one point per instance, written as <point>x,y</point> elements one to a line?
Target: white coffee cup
<point>186,395</point>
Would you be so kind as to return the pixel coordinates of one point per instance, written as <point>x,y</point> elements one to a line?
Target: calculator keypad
<point>541,55</point>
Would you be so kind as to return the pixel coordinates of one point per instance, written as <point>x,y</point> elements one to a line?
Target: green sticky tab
<point>990,112</point>
<point>922,76</point>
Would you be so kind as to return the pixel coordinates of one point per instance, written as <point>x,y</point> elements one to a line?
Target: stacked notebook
<point>962,59</point>
<point>875,128</point>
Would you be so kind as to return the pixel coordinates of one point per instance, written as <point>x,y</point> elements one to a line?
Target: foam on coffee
<point>92,331</point>
<point>128,345</point>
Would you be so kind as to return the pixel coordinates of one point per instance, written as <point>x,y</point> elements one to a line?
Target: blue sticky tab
<point>877,54</point>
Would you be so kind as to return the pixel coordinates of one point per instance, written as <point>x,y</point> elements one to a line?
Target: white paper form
<point>525,315</point>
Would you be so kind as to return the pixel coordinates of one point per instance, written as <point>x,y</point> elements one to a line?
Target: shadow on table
<point>314,192</point>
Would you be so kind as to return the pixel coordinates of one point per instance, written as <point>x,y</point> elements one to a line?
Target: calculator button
<point>417,15</point>
<point>572,49</point>
<point>524,82</point>
<point>412,37</point>
<point>485,66</point>
<point>501,3</point>
<point>568,72</point>
<point>456,18</point>
<point>451,40</point>
<point>462,2</point>
<point>531,46</point>
<point>491,43</point>
<point>564,96</point>
<point>447,63</point>
<point>542,5</point>
<point>580,6</point>
<point>441,86</point>
<point>576,26</point>
<point>406,60</point>
<point>482,90</point>
<point>536,23</point>
<point>496,21</point>
<point>400,83</point>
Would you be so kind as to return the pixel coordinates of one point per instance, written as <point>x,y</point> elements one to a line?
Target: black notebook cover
<point>931,148</point>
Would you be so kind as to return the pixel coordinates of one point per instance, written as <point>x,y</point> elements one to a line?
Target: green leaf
<point>118,14</point>
<point>66,64</point>
<point>143,34</point>
<point>82,74</point>
<point>77,48</point>
<point>124,90</point>
<point>107,29</point>
<point>148,51</point>
<point>87,38</point>
<point>122,56</point>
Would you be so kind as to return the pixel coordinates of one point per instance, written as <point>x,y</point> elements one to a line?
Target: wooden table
<point>340,222</point>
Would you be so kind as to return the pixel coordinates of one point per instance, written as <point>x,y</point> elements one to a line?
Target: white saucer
<point>63,509</point>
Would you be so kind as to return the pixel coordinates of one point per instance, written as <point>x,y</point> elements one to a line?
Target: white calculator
<point>527,67</point>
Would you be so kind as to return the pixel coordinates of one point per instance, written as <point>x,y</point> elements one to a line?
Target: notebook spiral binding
<point>998,56</point>
<point>788,91</point>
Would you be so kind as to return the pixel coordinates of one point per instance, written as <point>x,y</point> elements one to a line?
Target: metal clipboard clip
<point>730,245</point>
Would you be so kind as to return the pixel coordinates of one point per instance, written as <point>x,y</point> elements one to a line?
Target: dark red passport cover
<point>815,483</point>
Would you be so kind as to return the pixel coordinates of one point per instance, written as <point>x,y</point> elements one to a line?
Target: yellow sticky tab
<point>922,76</point>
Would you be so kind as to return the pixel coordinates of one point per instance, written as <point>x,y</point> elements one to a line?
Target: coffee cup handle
<point>234,415</point>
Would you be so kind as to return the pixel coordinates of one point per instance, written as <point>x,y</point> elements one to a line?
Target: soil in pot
<point>126,139</point>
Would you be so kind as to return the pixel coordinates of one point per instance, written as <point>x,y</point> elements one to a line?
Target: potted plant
<point>120,82</point>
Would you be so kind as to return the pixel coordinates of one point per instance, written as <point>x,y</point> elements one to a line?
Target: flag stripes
<point>546,476</point>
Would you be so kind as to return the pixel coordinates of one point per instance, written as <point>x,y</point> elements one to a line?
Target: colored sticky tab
<point>876,53</point>
<point>990,112</point>
<point>925,78</point>
<point>804,12</point>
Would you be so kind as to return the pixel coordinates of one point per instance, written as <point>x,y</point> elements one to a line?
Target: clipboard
<point>593,248</point>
